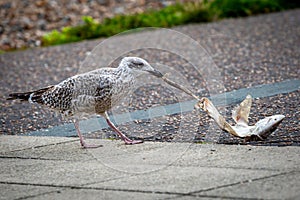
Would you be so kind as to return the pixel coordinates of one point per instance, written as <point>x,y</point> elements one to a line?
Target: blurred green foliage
<point>242,8</point>
<point>177,14</point>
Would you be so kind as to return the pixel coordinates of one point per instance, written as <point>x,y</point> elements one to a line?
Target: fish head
<point>266,126</point>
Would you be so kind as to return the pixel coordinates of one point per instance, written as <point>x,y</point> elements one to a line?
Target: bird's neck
<point>123,68</point>
<point>125,73</point>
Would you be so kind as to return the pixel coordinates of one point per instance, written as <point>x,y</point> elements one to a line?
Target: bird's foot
<point>131,142</point>
<point>90,146</point>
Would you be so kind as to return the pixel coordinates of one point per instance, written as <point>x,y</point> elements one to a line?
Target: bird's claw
<point>131,142</point>
<point>90,146</point>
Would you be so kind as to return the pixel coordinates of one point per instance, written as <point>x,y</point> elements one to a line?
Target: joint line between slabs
<point>37,195</point>
<point>40,146</point>
<point>93,188</point>
<point>194,194</point>
<point>243,182</point>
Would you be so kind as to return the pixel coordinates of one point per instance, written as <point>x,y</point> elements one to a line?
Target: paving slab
<point>49,172</point>
<point>111,151</point>
<point>47,148</point>
<point>158,155</point>
<point>17,143</point>
<point>242,156</point>
<point>101,194</point>
<point>144,158</point>
<point>152,170</point>
<point>279,187</point>
<point>16,191</point>
<point>176,180</point>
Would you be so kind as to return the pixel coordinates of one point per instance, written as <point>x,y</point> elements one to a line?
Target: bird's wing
<point>240,113</point>
<point>93,95</point>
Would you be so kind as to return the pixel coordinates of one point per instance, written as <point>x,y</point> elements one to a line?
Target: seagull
<point>90,93</point>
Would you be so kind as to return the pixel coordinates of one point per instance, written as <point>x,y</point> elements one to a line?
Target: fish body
<point>265,126</point>
<point>262,129</point>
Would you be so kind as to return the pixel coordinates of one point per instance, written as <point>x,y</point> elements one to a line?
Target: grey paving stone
<point>142,158</point>
<point>49,172</point>
<point>16,143</point>
<point>50,148</point>
<point>101,194</point>
<point>242,156</point>
<point>152,167</point>
<point>279,187</point>
<point>15,191</point>
<point>175,179</point>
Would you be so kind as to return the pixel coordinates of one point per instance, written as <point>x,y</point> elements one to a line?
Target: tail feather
<point>22,96</point>
<point>32,96</point>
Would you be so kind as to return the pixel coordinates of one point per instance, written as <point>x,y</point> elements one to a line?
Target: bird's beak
<point>156,73</point>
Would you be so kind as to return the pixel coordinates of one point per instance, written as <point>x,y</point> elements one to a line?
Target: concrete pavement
<point>57,168</point>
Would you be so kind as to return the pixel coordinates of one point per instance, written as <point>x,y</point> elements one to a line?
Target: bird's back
<point>87,93</point>
<point>92,92</point>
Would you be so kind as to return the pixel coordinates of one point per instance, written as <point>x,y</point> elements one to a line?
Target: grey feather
<point>92,92</point>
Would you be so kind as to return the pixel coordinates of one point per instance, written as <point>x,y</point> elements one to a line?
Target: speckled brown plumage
<point>94,92</point>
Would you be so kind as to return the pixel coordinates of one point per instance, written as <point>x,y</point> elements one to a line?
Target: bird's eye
<point>136,62</point>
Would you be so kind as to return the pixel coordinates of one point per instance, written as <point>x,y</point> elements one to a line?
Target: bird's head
<point>140,65</point>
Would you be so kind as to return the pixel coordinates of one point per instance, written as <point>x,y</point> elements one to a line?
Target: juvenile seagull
<point>94,92</point>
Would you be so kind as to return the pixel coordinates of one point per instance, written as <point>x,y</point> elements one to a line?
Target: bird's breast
<point>121,89</point>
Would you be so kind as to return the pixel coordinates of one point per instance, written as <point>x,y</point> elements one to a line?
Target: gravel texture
<point>248,52</point>
<point>23,23</point>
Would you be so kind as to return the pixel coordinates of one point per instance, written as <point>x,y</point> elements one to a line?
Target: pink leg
<point>82,142</point>
<point>123,137</point>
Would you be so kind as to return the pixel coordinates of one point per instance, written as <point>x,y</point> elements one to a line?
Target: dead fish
<point>262,129</point>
